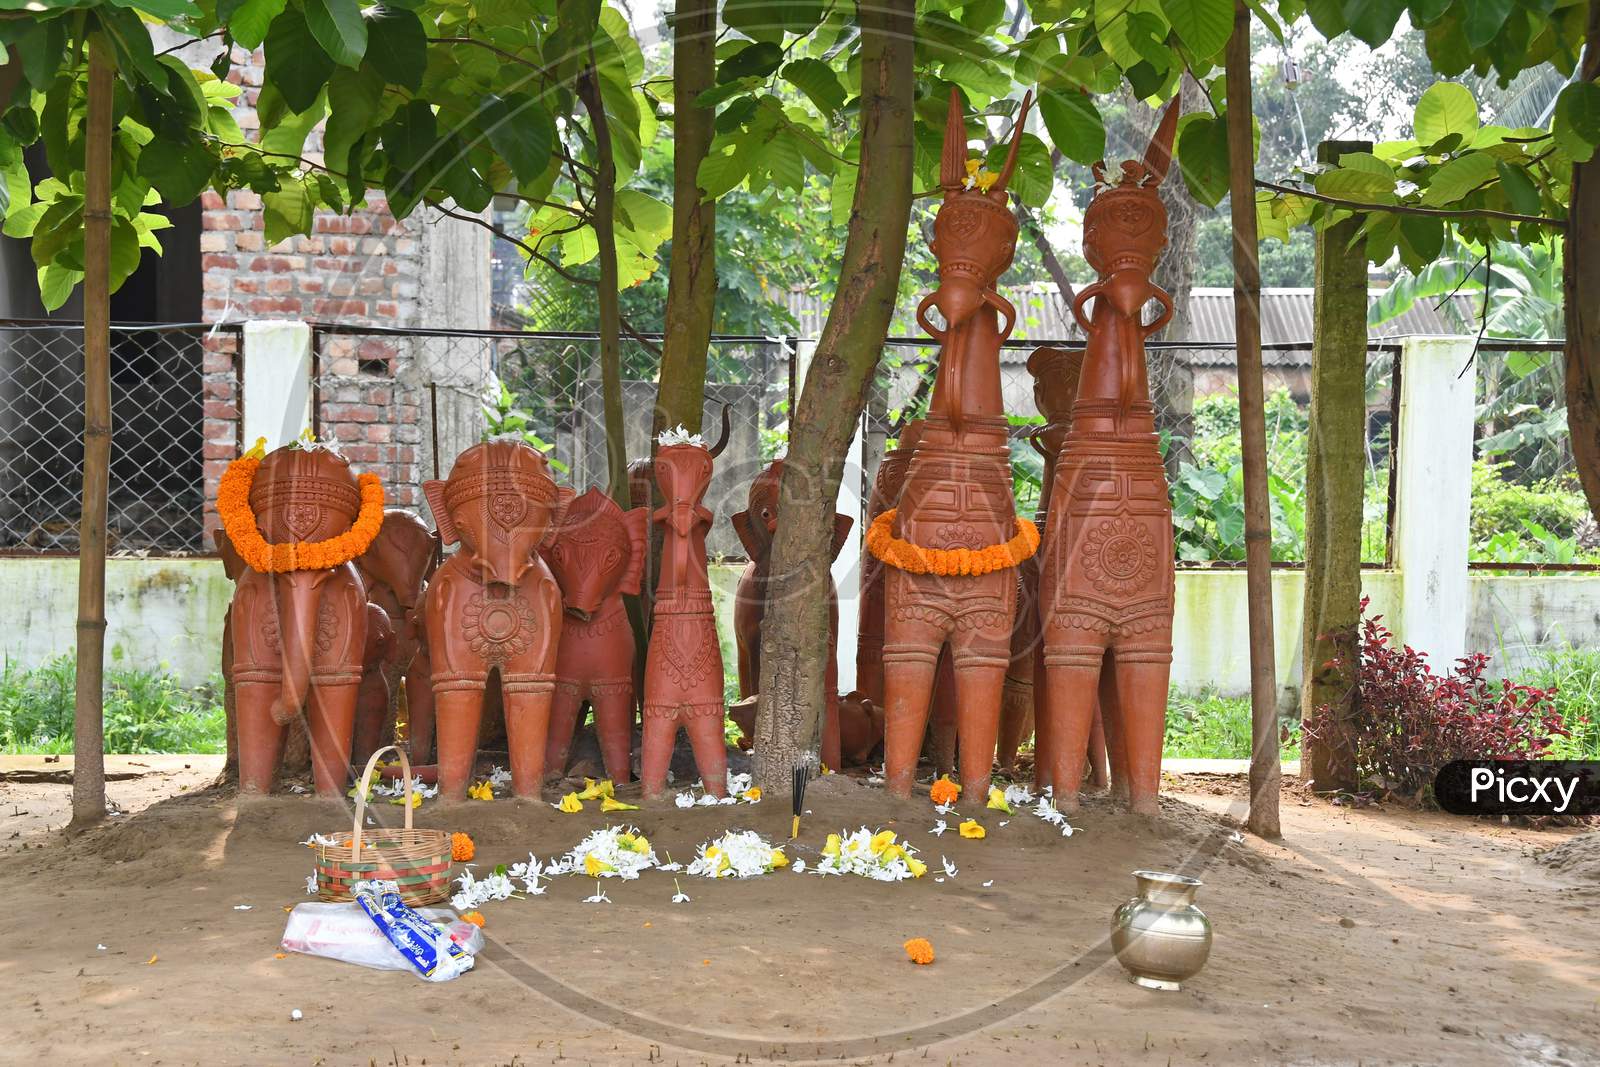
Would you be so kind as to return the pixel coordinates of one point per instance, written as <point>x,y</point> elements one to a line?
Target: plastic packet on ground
<point>429,949</point>
<point>344,932</point>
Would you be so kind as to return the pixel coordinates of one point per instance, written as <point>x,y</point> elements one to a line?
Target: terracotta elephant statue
<point>1106,575</point>
<point>396,569</point>
<point>493,608</point>
<point>597,557</point>
<point>756,527</point>
<point>294,640</point>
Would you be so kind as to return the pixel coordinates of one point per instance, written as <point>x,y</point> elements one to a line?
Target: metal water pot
<point>1160,936</point>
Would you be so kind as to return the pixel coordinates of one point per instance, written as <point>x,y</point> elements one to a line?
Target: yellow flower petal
<point>570,803</point>
<point>997,800</point>
<point>593,790</point>
<point>831,846</point>
<point>779,859</point>
<point>916,866</point>
<point>481,791</point>
<point>257,450</point>
<point>882,840</point>
<point>973,829</point>
<point>973,164</point>
<point>985,178</point>
<point>753,794</point>
<point>594,867</point>
<point>611,803</point>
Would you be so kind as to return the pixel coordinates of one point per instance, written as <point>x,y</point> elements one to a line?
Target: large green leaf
<point>339,28</point>
<point>1034,179</point>
<point>355,98</point>
<point>248,20</point>
<point>286,212</point>
<point>1457,178</point>
<point>752,61</point>
<point>397,46</point>
<point>411,142</point>
<point>1446,108</point>
<point>758,20</point>
<point>296,64</point>
<point>1519,188</point>
<point>179,172</point>
<point>521,131</point>
<point>162,9</point>
<point>1577,120</point>
<point>1484,19</point>
<point>818,81</point>
<point>1074,124</point>
<point>1203,25</point>
<point>1372,21</point>
<point>1203,158</point>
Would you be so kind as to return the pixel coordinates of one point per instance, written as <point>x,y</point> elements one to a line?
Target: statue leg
<point>1043,725</point>
<point>910,656</point>
<point>1142,674</point>
<point>372,708</point>
<point>1072,675</point>
<point>942,728</point>
<point>419,706</point>
<point>660,731</point>
<point>613,722</point>
<point>260,739</point>
<point>564,709</point>
<point>331,721</point>
<point>527,702</point>
<point>1016,721</point>
<point>459,714</point>
<point>979,659</point>
<point>1099,773</point>
<point>710,747</point>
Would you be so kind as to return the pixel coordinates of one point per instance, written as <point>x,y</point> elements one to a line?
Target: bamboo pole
<point>1265,772</point>
<point>88,724</point>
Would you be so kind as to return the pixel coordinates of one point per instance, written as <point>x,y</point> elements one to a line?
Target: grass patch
<point>1205,725</point>
<point>1575,674</point>
<point>147,711</point>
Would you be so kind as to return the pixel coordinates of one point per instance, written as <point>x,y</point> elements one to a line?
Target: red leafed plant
<point>1407,721</point>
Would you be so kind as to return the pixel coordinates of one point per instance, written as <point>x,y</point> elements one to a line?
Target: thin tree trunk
<point>88,724</point>
<point>605,232</point>
<point>1581,284</point>
<point>692,271</point>
<point>794,635</point>
<point>1335,465</point>
<point>1265,771</point>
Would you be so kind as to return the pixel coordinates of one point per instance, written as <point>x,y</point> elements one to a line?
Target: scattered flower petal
<point>570,804</point>
<point>919,950</point>
<point>973,829</point>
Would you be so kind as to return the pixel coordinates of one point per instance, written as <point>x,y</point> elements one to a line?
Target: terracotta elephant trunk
<point>494,608</point>
<point>598,556</point>
<point>1106,579</point>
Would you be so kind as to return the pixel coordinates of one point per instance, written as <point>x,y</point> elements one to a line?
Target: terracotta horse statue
<point>955,511</point>
<point>1106,579</point>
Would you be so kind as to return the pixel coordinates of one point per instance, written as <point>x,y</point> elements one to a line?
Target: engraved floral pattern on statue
<point>507,509</point>
<point>1119,556</point>
<point>302,519</point>
<point>327,629</point>
<point>959,535</point>
<point>498,628</point>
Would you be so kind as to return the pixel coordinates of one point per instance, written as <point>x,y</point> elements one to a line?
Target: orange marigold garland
<point>902,554</point>
<point>233,505</point>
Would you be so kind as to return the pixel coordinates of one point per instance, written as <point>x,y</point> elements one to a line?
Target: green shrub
<point>1208,726</point>
<point>1514,522</point>
<point>1574,673</point>
<point>146,710</point>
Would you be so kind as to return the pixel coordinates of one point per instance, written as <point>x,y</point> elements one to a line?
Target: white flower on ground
<point>474,892</point>
<point>680,897</point>
<point>684,800</point>
<point>1018,795</point>
<point>939,827</point>
<point>799,866</point>
<point>242,907</point>
<point>311,882</point>
<point>880,856</point>
<point>318,839</point>
<point>989,883</point>
<point>530,873</point>
<point>737,854</point>
<point>615,852</point>
<point>950,870</point>
<point>499,777</point>
<point>707,801</point>
<point>669,867</point>
<point>599,896</point>
<point>945,809</point>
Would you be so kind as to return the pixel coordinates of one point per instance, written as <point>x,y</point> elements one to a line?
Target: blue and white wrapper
<point>429,949</point>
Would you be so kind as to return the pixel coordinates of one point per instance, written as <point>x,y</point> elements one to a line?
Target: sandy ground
<point>1372,936</point>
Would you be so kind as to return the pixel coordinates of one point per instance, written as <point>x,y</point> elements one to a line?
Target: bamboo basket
<point>417,860</point>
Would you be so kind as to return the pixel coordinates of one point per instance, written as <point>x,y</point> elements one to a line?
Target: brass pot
<point>1160,936</point>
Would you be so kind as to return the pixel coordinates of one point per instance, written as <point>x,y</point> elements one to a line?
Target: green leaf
<point>124,257</point>
<point>1203,25</point>
<point>411,141</point>
<point>1372,21</point>
<point>287,133</point>
<point>1203,158</point>
<point>1327,16</point>
<point>521,131</point>
<point>722,169</point>
<point>752,61</point>
<point>1074,124</point>
<point>339,28</point>
<point>579,246</point>
<point>1577,120</point>
<point>1034,178</point>
<point>756,19</point>
<point>397,46</point>
<point>1360,177</point>
<point>1520,190</point>
<point>1446,108</point>
<point>248,20</point>
<point>286,212</point>
<point>355,98</point>
<point>1457,178</point>
<point>1484,19</point>
<point>979,77</point>
<point>817,80</point>
<point>1423,237</point>
<point>56,284</point>
<point>179,172</point>
<point>296,64</point>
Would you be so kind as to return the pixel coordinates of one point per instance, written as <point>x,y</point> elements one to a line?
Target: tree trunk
<point>794,634</point>
<point>1336,463</point>
<point>692,271</point>
<point>88,723</point>
<point>1265,772</point>
<point>605,232</point>
<point>1581,285</point>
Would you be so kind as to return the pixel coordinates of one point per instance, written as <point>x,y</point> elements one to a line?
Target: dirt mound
<point>1577,858</point>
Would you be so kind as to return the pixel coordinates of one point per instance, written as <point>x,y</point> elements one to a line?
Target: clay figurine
<point>955,514</point>
<point>396,569</point>
<point>683,667</point>
<point>756,528</point>
<point>1106,576</point>
<point>598,555</point>
<point>494,608</point>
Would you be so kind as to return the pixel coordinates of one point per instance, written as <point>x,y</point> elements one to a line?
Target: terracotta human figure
<point>1106,584</point>
<point>396,569</point>
<point>683,668</point>
<point>598,555</point>
<point>296,638</point>
<point>756,528</point>
<point>957,493</point>
<point>494,608</point>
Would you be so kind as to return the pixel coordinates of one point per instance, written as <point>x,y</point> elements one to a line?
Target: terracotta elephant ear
<point>565,495</point>
<point>755,541</point>
<point>841,532</point>
<point>233,564</point>
<point>637,522</point>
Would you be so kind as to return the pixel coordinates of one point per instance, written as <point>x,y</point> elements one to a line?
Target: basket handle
<point>361,794</point>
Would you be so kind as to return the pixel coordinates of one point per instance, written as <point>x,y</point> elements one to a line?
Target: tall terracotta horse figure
<point>1106,585</point>
<point>953,539</point>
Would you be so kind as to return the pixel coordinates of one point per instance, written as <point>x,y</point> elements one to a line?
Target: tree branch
<point>1412,209</point>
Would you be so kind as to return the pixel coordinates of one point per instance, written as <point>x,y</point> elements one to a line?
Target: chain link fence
<point>172,388</point>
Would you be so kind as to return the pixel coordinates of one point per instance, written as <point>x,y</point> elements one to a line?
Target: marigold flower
<point>473,917</point>
<point>974,829</point>
<point>233,506</point>
<point>914,559</point>
<point>944,791</point>
<point>462,848</point>
<point>919,950</point>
